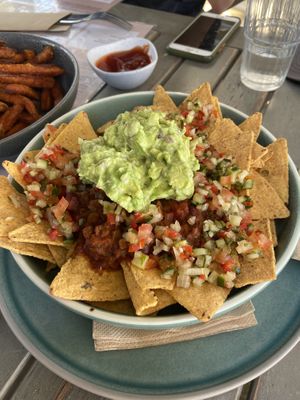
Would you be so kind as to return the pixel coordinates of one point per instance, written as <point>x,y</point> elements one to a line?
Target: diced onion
<point>183,281</point>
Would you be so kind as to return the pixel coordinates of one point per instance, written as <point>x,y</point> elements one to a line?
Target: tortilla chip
<point>202,93</point>
<point>229,139</point>
<point>60,254</point>
<point>275,169</point>
<point>14,210</point>
<point>252,123</point>
<point>261,269</point>
<point>258,153</point>
<point>143,300</point>
<point>30,155</point>
<point>13,170</point>
<point>164,300</point>
<point>77,280</point>
<point>163,101</point>
<point>35,233</point>
<point>273,233</point>
<point>266,201</point>
<point>217,107</point>
<point>118,306</point>
<point>201,301</point>
<point>79,127</point>
<point>48,132</point>
<point>102,128</point>
<point>55,133</point>
<point>151,278</point>
<point>40,251</point>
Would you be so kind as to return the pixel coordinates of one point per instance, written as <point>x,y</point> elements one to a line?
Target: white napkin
<point>108,337</point>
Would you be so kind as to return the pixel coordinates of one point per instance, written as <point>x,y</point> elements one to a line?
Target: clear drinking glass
<point>272,33</point>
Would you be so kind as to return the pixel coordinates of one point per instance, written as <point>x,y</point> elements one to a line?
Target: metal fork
<point>76,18</point>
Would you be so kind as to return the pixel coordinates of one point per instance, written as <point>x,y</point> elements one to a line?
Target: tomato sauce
<point>127,60</point>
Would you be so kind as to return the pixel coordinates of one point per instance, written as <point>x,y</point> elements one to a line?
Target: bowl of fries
<point>202,278</point>
<point>38,83</point>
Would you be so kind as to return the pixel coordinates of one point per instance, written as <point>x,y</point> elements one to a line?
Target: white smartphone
<point>204,37</point>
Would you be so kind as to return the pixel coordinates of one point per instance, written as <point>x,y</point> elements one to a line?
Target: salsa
<point>127,60</point>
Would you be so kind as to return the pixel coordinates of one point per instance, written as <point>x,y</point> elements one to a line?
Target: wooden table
<point>24,378</point>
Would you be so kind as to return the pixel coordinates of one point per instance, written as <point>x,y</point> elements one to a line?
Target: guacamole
<point>141,157</point>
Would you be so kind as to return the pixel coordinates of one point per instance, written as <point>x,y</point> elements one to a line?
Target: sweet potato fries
<point>29,87</point>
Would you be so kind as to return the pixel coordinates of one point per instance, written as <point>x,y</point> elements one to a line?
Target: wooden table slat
<point>282,381</point>
<point>40,384</point>
<point>12,352</point>
<point>191,74</point>
<point>282,117</point>
<point>231,91</point>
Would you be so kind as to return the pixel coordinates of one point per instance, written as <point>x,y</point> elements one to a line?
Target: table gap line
<point>254,388</point>
<point>64,391</point>
<point>17,376</point>
<point>169,73</point>
<point>225,72</point>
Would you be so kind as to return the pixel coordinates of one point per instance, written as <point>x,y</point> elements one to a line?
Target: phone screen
<point>205,33</point>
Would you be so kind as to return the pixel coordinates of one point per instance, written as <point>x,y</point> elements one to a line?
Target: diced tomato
<point>246,220</point>
<point>213,188</point>
<point>37,195</point>
<point>60,208</point>
<point>133,248</point>
<point>227,195</point>
<point>137,218</point>
<point>261,240</point>
<point>264,242</point>
<point>200,115</point>
<point>226,180</point>
<point>111,218</point>
<point>188,249</point>
<point>142,243</point>
<point>200,177</point>
<point>208,163</point>
<point>227,266</point>
<point>170,233</point>
<point>151,263</point>
<point>202,276</point>
<point>221,256</point>
<point>214,113</point>
<point>183,256</point>
<point>53,234</point>
<point>185,113</point>
<point>214,203</point>
<point>144,230</point>
<point>222,234</point>
<point>28,178</point>
<point>23,164</point>
<point>188,129</point>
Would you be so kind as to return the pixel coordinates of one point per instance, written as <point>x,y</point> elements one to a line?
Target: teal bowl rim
<point>160,322</point>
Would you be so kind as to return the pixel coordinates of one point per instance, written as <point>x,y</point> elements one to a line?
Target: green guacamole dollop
<point>141,157</point>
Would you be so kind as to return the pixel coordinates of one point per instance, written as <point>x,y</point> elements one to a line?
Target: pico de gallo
<point>196,240</point>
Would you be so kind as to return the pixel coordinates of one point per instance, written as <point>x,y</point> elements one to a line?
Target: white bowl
<point>100,111</point>
<point>127,79</point>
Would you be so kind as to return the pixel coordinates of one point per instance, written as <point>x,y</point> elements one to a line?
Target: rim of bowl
<point>157,322</point>
<point>115,74</point>
<point>65,97</point>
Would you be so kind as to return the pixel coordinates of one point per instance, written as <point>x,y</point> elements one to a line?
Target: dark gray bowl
<point>69,81</point>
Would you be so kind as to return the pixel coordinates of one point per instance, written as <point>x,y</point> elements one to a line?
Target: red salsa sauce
<point>127,60</point>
